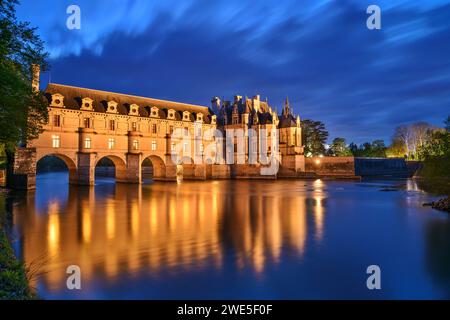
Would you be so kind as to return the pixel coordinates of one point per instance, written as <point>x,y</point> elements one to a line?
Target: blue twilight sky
<point>360,82</point>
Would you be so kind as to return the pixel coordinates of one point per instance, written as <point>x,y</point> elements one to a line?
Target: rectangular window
<point>201,148</point>
<point>87,122</point>
<point>111,143</point>
<point>154,128</point>
<point>133,126</point>
<point>87,143</point>
<point>112,125</point>
<point>172,146</point>
<point>135,145</point>
<point>185,147</point>
<point>153,145</point>
<point>57,120</point>
<point>56,141</point>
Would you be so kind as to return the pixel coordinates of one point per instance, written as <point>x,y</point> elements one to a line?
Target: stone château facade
<point>86,125</point>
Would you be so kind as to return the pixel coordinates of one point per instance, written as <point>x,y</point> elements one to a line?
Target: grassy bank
<point>13,279</point>
<point>436,168</point>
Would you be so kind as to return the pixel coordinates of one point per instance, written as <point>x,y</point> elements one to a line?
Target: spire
<point>287,107</point>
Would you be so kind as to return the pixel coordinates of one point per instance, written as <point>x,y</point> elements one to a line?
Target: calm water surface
<point>233,239</point>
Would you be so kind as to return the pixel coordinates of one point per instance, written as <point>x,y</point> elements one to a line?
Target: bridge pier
<point>86,169</point>
<point>133,170</point>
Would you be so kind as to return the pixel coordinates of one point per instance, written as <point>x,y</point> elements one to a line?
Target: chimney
<point>35,70</point>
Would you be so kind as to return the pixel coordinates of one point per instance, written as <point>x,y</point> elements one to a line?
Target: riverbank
<point>438,187</point>
<point>13,276</point>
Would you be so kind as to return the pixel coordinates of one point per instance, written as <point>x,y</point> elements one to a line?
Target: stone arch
<point>120,166</point>
<point>69,162</point>
<point>158,171</point>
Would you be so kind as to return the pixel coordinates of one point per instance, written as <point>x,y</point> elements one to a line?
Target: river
<point>232,239</point>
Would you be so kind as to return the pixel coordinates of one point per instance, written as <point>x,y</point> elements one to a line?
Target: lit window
<point>57,120</point>
<point>133,126</point>
<point>87,143</point>
<point>135,145</point>
<point>185,146</point>
<point>112,125</point>
<point>154,130</point>
<point>56,140</point>
<point>110,143</point>
<point>172,146</point>
<point>153,145</point>
<point>201,147</point>
<point>87,122</point>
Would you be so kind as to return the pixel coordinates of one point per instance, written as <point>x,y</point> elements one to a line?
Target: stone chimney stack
<point>36,71</point>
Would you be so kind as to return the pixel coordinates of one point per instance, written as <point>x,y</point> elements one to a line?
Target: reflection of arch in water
<point>120,167</point>
<point>153,167</point>
<point>70,164</point>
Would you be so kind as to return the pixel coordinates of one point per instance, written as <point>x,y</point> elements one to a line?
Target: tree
<point>314,136</point>
<point>396,150</point>
<point>375,149</point>
<point>339,148</point>
<point>378,149</point>
<point>447,124</point>
<point>412,137</point>
<point>22,110</point>
<point>437,145</point>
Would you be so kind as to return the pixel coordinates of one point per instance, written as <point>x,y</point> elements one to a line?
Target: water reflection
<point>233,239</point>
<point>116,229</point>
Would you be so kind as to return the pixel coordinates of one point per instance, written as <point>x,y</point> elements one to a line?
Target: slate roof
<point>74,95</point>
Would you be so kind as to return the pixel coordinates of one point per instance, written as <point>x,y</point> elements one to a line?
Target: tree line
<point>417,141</point>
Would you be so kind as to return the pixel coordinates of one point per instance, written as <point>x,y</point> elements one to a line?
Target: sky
<point>361,83</point>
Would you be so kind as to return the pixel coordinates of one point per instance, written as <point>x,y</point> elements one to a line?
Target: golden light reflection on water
<point>117,229</point>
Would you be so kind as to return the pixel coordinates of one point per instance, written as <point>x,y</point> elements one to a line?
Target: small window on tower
<point>57,120</point>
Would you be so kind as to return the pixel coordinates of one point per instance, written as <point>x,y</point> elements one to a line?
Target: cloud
<point>361,83</point>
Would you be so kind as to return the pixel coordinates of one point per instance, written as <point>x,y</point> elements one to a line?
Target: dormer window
<point>112,107</point>
<point>171,114</point>
<point>186,115</point>
<point>154,112</point>
<point>214,119</point>
<point>134,110</point>
<point>86,104</point>
<point>199,117</point>
<point>57,100</point>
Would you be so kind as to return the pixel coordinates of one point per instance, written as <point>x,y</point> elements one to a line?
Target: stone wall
<point>376,167</point>
<point>22,170</point>
<point>331,166</point>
